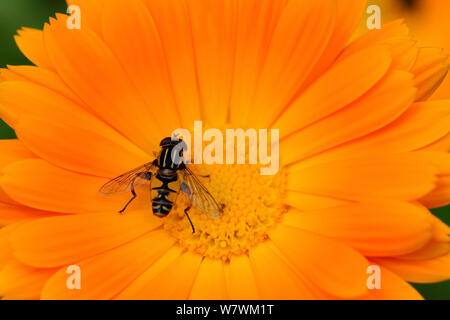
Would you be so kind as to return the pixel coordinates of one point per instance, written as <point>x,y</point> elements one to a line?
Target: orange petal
<point>427,59</point>
<point>79,148</point>
<point>440,196</point>
<point>384,228</point>
<point>210,283</point>
<point>441,231</point>
<point>5,199</point>
<point>348,15</point>
<point>422,124</point>
<point>6,254</point>
<point>300,37</point>
<point>10,213</point>
<point>8,75</point>
<point>382,105</point>
<point>404,53</point>
<point>428,83</point>
<point>31,43</point>
<point>275,278</point>
<point>105,275</point>
<point>171,277</point>
<point>214,25</point>
<point>173,24</point>
<point>20,100</point>
<point>257,21</point>
<point>431,250</point>
<point>420,271</point>
<point>392,30</point>
<point>440,160</point>
<point>104,86</point>
<point>240,279</point>
<point>335,268</point>
<point>18,97</point>
<point>2,74</point>
<point>22,282</point>
<point>57,241</point>
<point>40,185</point>
<point>91,11</point>
<point>305,202</point>
<point>141,56</point>
<point>430,70</point>
<point>12,151</point>
<point>339,86</point>
<point>442,145</point>
<point>394,35</point>
<point>42,77</point>
<point>403,177</point>
<point>393,288</point>
<point>439,244</point>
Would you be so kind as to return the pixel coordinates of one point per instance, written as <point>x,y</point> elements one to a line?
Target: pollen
<point>252,205</point>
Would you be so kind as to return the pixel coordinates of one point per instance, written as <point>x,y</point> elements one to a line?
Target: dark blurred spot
<point>410,3</point>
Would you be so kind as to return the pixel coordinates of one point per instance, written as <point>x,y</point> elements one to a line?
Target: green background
<point>33,13</point>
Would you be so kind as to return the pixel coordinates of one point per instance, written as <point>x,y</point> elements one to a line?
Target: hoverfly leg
<point>190,221</point>
<point>145,176</point>
<point>131,200</point>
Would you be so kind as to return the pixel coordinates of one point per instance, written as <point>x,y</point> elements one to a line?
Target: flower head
<point>363,153</point>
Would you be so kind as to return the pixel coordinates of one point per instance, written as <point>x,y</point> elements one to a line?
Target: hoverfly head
<point>174,148</point>
<point>168,142</point>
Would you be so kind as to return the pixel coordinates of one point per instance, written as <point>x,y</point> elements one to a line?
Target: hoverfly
<point>166,179</point>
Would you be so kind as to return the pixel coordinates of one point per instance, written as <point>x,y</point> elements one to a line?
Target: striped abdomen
<point>165,190</point>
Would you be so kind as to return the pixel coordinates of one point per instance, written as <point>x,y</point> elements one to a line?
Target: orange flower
<point>363,154</point>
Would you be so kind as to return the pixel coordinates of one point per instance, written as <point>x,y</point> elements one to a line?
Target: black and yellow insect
<point>166,178</point>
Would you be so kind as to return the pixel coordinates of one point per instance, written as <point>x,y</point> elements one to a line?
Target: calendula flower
<point>363,154</point>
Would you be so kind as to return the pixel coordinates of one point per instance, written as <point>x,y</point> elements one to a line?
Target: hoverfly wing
<point>198,195</point>
<point>124,182</point>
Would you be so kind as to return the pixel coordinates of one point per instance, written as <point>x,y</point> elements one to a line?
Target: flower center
<point>253,204</point>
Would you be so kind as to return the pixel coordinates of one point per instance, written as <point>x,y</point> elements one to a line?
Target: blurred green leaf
<point>15,14</point>
<point>5,131</point>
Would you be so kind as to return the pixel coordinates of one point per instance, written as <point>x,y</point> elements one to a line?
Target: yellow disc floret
<point>252,204</point>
